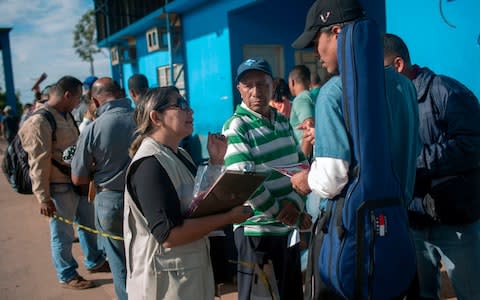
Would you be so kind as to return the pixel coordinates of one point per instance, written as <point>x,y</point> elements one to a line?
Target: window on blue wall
<point>114,56</point>
<point>164,78</point>
<point>150,43</point>
<point>152,40</point>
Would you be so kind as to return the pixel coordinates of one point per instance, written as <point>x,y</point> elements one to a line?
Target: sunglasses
<point>181,104</point>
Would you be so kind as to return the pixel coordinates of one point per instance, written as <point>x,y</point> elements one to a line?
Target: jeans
<point>75,208</point>
<point>459,249</point>
<point>109,212</point>
<point>313,206</point>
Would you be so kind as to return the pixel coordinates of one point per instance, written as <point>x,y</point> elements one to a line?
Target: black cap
<point>254,63</point>
<point>324,13</point>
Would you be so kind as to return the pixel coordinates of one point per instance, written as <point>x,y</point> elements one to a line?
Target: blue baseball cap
<point>254,63</point>
<point>88,82</point>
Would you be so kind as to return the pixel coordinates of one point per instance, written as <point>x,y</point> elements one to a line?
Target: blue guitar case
<point>367,251</point>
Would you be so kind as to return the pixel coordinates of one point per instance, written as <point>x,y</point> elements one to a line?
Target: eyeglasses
<point>181,104</point>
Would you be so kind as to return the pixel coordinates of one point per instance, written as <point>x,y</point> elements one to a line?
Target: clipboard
<point>231,189</point>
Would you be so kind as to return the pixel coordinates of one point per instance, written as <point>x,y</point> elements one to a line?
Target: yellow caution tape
<point>261,274</point>
<point>91,230</point>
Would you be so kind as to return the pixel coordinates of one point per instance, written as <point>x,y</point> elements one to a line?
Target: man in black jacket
<point>445,211</point>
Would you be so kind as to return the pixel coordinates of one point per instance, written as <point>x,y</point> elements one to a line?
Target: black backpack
<point>15,162</point>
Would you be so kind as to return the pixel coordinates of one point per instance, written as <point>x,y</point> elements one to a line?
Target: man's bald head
<point>105,89</point>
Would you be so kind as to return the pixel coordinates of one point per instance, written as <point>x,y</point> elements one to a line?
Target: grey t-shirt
<point>102,147</point>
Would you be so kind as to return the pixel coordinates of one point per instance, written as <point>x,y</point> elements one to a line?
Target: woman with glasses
<point>168,253</point>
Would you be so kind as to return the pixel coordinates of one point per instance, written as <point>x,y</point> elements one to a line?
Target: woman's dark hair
<point>280,90</point>
<point>153,98</point>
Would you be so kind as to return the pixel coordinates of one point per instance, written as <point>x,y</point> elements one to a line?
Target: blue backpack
<point>366,250</point>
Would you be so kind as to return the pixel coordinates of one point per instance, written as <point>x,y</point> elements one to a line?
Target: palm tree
<point>84,38</point>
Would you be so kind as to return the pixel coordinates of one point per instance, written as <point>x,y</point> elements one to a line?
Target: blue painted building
<point>204,41</point>
<point>441,34</point>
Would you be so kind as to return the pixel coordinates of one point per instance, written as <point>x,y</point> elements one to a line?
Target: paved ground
<point>26,270</point>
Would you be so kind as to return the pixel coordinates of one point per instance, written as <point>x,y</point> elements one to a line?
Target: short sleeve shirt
<point>331,138</point>
<point>104,144</point>
<point>302,109</point>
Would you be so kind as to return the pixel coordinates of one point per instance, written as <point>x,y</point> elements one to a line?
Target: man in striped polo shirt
<point>258,138</point>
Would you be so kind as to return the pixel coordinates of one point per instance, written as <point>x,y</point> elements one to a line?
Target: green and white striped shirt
<point>256,141</point>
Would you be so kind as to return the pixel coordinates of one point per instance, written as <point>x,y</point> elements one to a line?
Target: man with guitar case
<point>365,152</point>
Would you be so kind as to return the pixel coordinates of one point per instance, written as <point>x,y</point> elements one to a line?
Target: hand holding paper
<point>300,182</point>
<point>290,170</point>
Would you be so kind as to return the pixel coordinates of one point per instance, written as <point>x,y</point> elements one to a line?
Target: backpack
<point>15,162</point>
<point>363,245</point>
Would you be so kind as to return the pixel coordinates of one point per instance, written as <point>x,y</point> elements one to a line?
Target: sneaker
<point>103,268</point>
<point>78,283</point>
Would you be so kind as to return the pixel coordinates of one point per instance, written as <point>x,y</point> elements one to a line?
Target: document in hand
<point>290,170</point>
<point>231,189</point>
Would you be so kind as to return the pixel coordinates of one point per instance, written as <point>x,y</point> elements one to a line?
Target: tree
<point>84,38</point>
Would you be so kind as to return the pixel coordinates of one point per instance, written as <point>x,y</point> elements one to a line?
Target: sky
<point>41,40</point>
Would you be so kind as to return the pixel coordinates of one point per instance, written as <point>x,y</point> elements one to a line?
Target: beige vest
<point>155,272</point>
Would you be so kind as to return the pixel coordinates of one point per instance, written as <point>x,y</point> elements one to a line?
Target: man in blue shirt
<point>329,172</point>
<point>102,153</point>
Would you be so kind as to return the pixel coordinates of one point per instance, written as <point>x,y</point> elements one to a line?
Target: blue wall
<point>146,63</point>
<point>208,71</point>
<point>214,35</point>
<point>433,43</point>
<point>265,23</point>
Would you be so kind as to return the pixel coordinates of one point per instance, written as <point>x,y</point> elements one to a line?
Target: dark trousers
<point>222,253</point>
<point>259,250</point>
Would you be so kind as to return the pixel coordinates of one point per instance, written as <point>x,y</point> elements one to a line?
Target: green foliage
<point>84,38</point>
